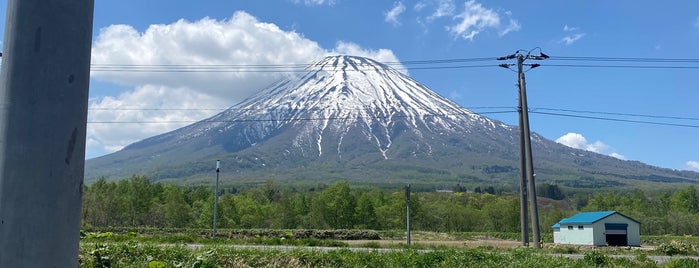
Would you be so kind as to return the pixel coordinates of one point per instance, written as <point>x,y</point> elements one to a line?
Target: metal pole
<point>528,154</point>
<point>407,220</point>
<point>43,114</point>
<point>218,165</point>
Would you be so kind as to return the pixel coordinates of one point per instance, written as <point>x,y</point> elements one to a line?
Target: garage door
<point>616,234</point>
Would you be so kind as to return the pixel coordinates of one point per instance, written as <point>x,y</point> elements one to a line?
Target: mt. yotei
<point>354,118</point>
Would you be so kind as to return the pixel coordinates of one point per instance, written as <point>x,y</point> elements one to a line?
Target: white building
<point>600,228</point>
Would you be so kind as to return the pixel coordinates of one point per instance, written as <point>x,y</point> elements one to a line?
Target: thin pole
<point>218,165</point>
<point>43,115</point>
<point>528,154</point>
<point>524,224</point>
<point>407,220</point>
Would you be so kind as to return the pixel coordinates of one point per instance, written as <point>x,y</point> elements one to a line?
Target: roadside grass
<point>138,254</point>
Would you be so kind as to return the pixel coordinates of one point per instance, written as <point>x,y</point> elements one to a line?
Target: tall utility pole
<point>407,218</point>
<point>527,182</point>
<point>218,169</point>
<point>524,224</point>
<point>43,114</point>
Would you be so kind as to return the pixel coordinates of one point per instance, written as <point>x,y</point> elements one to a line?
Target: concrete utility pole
<point>218,169</point>
<point>43,114</point>
<point>527,182</point>
<point>407,218</point>
<point>523,218</point>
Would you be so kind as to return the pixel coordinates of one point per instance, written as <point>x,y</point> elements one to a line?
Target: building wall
<point>594,234</point>
<point>576,236</point>
<point>633,230</point>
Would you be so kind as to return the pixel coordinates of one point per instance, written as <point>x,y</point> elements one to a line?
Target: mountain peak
<point>347,63</point>
<point>355,118</point>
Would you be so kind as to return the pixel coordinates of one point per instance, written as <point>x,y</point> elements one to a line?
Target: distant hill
<point>352,118</point>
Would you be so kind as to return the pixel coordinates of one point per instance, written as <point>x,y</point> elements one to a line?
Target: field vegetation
<point>137,223</point>
<point>137,202</point>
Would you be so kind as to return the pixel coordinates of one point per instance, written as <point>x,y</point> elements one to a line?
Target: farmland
<point>251,248</point>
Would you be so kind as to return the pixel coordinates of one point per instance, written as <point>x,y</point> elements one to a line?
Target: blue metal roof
<point>587,217</point>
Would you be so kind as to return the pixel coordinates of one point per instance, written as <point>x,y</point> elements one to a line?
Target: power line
<point>621,59</point>
<point>620,66</point>
<point>509,109</point>
<point>616,119</point>
<point>288,119</point>
<point>619,114</point>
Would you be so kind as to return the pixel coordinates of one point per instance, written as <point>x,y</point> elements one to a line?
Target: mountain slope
<point>354,118</point>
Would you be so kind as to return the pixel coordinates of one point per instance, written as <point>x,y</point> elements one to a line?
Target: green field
<point>280,248</point>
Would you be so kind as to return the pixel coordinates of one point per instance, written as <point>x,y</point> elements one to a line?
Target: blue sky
<point>299,31</point>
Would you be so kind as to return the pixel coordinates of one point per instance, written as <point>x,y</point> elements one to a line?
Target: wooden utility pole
<point>43,114</point>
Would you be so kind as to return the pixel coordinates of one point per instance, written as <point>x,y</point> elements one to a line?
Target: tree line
<point>137,202</point>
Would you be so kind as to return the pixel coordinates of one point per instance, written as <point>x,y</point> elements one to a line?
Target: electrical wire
<point>288,119</point>
<point>616,119</point>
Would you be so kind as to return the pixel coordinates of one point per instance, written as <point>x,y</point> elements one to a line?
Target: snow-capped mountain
<point>347,117</point>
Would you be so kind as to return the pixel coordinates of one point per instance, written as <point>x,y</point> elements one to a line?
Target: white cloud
<point>444,8</point>
<point>572,35</point>
<point>567,28</point>
<point>578,141</point>
<point>392,15</point>
<point>475,18</point>
<point>381,55</point>
<point>570,39</point>
<point>241,40</point>
<point>315,2</point>
<point>693,165</point>
<point>696,22</point>
<point>512,27</point>
<point>618,156</point>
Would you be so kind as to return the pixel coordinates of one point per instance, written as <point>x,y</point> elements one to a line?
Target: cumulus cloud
<point>578,141</point>
<point>693,165</point>
<point>392,15</point>
<point>227,49</point>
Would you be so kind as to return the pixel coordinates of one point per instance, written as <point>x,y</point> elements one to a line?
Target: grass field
<point>241,248</point>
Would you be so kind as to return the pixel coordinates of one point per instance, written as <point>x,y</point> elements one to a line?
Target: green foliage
<point>137,202</point>
<point>595,258</point>
<point>682,263</point>
<point>148,255</point>
<point>676,247</point>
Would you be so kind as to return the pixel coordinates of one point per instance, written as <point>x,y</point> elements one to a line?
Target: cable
<point>617,119</point>
<point>619,59</point>
<point>287,119</point>
<point>620,114</point>
<point>620,66</point>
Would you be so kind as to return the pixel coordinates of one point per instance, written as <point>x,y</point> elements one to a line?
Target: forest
<point>137,202</point>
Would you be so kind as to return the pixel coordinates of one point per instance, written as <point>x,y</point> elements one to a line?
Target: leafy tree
<point>336,206</point>
<point>685,200</point>
<point>177,213</point>
<point>365,213</point>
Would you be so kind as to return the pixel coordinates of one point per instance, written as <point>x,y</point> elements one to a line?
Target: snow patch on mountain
<point>338,94</point>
